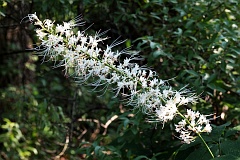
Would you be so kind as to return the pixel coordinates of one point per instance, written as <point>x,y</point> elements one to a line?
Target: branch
<point>63,150</point>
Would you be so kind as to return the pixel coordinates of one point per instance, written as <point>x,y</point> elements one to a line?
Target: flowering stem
<point>146,90</point>
<point>204,142</point>
<point>199,135</point>
<point>114,68</point>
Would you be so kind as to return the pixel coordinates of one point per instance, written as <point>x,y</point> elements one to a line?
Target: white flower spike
<point>140,85</point>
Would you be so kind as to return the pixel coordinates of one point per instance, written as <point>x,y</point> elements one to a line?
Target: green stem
<point>199,135</point>
<point>204,142</point>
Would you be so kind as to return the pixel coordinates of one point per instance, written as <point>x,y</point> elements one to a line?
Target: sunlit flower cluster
<point>194,122</point>
<point>140,86</point>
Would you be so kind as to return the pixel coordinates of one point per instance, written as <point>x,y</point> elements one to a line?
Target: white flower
<point>60,29</point>
<point>126,62</point>
<point>167,112</point>
<point>34,18</point>
<point>186,137</point>
<point>72,40</point>
<point>40,34</point>
<point>194,123</point>
<point>48,24</point>
<point>66,26</point>
<point>207,128</point>
<point>153,82</point>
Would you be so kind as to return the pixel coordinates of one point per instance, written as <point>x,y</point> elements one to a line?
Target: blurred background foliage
<point>44,114</point>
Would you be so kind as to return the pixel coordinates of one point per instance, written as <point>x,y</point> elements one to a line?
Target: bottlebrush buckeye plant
<point>141,86</point>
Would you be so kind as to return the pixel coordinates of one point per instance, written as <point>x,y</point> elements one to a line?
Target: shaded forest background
<point>44,114</point>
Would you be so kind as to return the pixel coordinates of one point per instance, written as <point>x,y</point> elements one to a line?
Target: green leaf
<point>192,72</point>
<point>157,53</point>
<point>212,77</point>
<point>96,149</point>
<point>216,86</point>
<point>218,131</point>
<point>154,45</point>
<point>231,147</point>
<point>226,157</point>
<point>141,157</point>
<point>193,38</point>
<point>189,23</point>
<point>201,154</point>
<point>128,43</point>
<point>186,146</point>
<point>236,50</point>
<point>232,131</point>
<point>134,129</point>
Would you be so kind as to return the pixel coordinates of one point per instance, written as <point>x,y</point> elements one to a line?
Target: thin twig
<point>63,150</point>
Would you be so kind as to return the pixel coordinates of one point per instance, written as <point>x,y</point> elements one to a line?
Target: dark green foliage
<point>194,42</point>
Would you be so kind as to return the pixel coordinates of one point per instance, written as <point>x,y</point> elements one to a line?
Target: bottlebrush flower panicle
<point>194,122</point>
<point>143,87</point>
<point>140,85</point>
